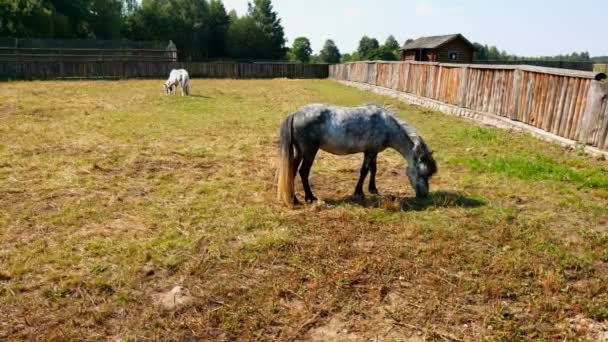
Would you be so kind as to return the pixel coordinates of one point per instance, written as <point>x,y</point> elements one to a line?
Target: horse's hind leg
<point>297,160</point>
<point>308,158</point>
<point>372,176</point>
<point>367,161</point>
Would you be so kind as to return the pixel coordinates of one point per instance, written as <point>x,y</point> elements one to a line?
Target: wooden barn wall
<point>465,52</point>
<point>553,100</point>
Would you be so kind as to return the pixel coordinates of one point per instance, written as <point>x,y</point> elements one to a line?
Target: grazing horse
<point>178,78</point>
<point>342,130</point>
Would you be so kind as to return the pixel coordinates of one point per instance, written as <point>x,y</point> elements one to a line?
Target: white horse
<point>177,78</point>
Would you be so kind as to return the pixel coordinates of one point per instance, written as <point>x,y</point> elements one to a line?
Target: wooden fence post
<point>463,86</point>
<point>592,117</point>
<point>372,73</point>
<point>516,93</point>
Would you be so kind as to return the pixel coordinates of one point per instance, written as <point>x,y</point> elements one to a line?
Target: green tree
<point>389,51</point>
<point>481,52</point>
<point>219,22</point>
<point>493,54</point>
<point>351,57</point>
<point>186,22</point>
<point>129,6</point>
<point>268,20</point>
<point>63,18</point>
<point>105,19</point>
<point>368,48</point>
<point>316,59</point>
<point>245,39</point>
<point>392,43</point>
<point>26,18</point>
<point>330,53</point>
<point>301,50</point>
<point>70,18</point>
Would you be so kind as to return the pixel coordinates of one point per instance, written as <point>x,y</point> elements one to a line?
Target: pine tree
<point>301,50</point>
<point>262,12</point>
<point>330,53</point>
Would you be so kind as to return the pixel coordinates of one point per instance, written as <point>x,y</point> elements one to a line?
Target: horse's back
<point>343,130</point>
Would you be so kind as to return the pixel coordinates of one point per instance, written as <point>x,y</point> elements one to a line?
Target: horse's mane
<point>409,130</point>
<point>420,148</point>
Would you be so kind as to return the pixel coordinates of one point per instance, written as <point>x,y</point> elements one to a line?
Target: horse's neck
<point>402,141</point>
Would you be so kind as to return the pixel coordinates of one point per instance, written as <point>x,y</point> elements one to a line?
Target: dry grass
<point>110,194</point>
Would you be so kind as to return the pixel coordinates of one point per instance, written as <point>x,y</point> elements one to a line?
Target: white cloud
<point>424,8</point>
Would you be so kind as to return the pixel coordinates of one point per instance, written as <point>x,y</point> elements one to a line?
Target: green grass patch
<point>538,169</point>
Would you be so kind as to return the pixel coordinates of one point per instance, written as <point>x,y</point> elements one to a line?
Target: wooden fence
<point>601,68</point>
<point>567,103</point>
<point>8,54</point>
<point>19,69</point>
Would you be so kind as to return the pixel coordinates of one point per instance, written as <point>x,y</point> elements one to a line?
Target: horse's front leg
<point>372,176</point>
<point>367,161</point>
<point>308,159</point>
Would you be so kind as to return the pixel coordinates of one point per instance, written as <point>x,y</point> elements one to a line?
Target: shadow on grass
<point>200,96</point>
<point>439,199</point>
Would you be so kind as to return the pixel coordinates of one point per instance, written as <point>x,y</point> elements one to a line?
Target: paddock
<point>112,194</point>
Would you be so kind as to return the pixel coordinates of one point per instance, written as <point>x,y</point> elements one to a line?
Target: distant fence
<point>601,68</point>
<point>153,69</point>
<point>42,43</point>
<point>18,55</point>
<point>583,66</point>
<point>566,103</point>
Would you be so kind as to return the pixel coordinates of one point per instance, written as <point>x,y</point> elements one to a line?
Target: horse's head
<point>422,168</point>
<point>168,88</point>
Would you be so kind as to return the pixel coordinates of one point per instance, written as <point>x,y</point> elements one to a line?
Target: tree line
<point>492,53</point>
<point>201,29</point>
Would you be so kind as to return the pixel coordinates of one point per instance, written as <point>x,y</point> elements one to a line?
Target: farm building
<point>452,48</point>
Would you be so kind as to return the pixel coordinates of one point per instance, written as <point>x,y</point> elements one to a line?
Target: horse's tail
<point>285,183</point>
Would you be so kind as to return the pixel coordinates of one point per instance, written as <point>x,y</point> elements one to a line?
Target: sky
<point>522,27</point>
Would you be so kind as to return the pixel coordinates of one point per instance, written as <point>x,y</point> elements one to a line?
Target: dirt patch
<point>175,299</point>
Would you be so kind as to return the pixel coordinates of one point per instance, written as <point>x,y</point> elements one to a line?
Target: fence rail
<point>84,55</point>
<point>19,69</point>
<point>80,43</point>
<point>583,66</point>
<point>601,68</point>
<point>567,103</point>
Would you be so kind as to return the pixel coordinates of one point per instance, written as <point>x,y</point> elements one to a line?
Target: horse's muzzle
<point>422,190</point>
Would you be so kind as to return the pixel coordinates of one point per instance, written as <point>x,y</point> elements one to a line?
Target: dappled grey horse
<point>342,130</point>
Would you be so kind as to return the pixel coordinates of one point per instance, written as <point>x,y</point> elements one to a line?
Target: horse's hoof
<point>374,191</point>
<point>359,197</point>
<point>295,201</point>
<point>311,199</point>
